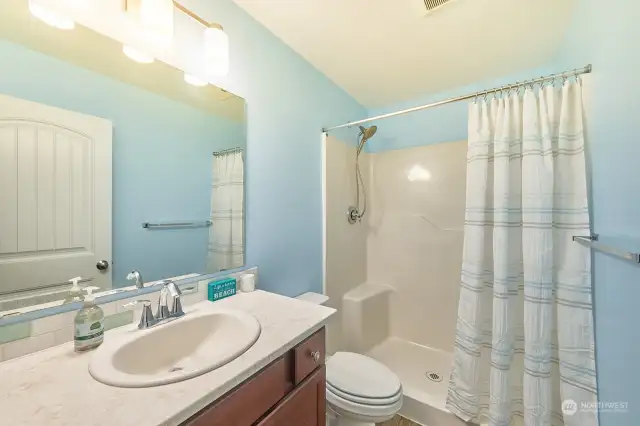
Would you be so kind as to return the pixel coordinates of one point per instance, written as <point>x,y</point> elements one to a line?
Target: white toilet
<point>360,390</point>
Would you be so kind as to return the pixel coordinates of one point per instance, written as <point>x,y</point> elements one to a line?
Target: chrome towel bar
<point>594,243</point>
<point>201,224</point>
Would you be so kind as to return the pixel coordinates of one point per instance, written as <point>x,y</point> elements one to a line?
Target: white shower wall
<point>345,244</point>
<point>411,238</point>
<point>415,238</point>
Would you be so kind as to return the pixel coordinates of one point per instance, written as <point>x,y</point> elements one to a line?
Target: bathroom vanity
<point>290,391</point>
<point>280,380</point>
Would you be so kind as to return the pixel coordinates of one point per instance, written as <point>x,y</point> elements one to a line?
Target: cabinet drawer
<point>309,355</point>
<point>245,405</point>
<point>303,407</point>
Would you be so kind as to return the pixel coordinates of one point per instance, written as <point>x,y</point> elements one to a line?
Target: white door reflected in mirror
<point>55,215</point>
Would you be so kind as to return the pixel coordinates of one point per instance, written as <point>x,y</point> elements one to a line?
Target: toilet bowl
<point>360,391</point>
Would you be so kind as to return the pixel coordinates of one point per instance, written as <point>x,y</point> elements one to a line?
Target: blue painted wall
<point>288,103</point>
<point>446,123</point>
<point>605,35</point>
<point>161,156</point>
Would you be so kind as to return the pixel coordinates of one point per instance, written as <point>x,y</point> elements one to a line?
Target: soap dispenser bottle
<point>75,293</point>
<point>89,324</point>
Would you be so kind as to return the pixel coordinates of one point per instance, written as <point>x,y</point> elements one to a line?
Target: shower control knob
<point>353,215</point>
<point>315,355</point>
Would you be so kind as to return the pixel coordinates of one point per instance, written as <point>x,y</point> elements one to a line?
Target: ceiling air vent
<point>431,5</point>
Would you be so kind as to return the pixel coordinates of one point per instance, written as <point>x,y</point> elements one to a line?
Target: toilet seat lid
<point>361,376</point>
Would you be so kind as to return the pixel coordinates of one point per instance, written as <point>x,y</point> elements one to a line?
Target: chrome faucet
<point>169,306</point>
<point>135,275</point>
<point>146,319</point>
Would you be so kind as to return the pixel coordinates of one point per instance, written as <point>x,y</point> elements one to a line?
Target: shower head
<point>366,133</point>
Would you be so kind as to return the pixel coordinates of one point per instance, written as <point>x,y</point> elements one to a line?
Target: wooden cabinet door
<point>247,404</point>
<point>305,406</point>
<point>308,355</point>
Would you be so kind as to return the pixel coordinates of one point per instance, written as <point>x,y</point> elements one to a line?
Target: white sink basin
<point>184,348</point>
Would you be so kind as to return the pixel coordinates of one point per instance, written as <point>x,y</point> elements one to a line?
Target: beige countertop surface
<point>53,387</point>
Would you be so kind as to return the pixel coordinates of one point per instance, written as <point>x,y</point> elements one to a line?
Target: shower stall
<point>393,275</point>
<point>432,278</point>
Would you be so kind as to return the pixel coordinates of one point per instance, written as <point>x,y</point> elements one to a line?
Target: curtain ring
<point>531,85</point>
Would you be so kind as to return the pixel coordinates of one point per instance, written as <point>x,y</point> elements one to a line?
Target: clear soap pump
<point>89,324</point>
<point>75,293</point>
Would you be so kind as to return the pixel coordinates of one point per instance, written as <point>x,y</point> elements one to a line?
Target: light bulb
<point>49,17</point>
<point>195,81</point>
<point>156,18</point>
<point>136,55</point>
<point>216,51</point>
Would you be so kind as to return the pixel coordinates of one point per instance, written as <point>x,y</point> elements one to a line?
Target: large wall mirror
<point>109,166</point>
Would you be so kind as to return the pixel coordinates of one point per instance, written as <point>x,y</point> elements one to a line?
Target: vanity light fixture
<point>194,81</point>
<point>50,17</point>
<point>154,17</point>
<point>215,44</point>
<point>136,55</point>
<point>216,50</point>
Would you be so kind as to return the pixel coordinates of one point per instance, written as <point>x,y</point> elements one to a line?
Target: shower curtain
<point>524,346</point>
<point>226,241</point>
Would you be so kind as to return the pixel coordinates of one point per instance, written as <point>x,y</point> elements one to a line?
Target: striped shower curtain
<point>524,347</point>
<point>226,235</point>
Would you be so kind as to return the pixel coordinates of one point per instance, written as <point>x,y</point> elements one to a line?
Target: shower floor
<point>424,399</point>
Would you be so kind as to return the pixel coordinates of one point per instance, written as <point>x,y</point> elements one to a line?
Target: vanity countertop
<point>53,387</point>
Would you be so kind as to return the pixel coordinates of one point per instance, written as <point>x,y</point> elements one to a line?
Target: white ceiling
<point>385,51</point>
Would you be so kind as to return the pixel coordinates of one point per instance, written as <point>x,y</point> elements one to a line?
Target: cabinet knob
<point>315,355</point>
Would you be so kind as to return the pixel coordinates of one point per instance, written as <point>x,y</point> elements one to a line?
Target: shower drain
<point>433,376</point>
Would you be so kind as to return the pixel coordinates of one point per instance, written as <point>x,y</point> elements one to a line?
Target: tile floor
<point>398,421</point>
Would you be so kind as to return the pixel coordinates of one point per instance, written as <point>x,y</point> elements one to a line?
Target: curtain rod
<point>575,72</point>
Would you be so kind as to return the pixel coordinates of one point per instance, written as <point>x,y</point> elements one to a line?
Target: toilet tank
<point>315,298</point>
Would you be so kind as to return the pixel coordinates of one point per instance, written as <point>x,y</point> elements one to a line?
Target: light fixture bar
<point>195,16</point>
<point>187,12</point>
